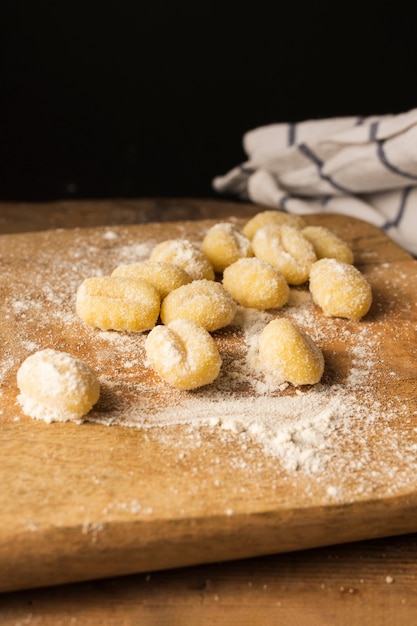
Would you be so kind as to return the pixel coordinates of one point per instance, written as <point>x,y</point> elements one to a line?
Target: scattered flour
<point>310,430</point>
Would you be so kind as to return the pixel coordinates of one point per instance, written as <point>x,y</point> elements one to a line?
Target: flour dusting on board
<point>308,429</point>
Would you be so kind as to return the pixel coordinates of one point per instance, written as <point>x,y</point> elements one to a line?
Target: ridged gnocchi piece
<point>286,248</point>
<point>186,255</point>
<point>165,277</point>
<point>223,244</point>
<point>256,284</point>
<point>327,244</point>
<point>183,354</point>
<point>290,352</point>
<point>56,386</point>
<point>205,301</point>
<point>263,218</point>
<point>340,289</point>
<point>118,303</point>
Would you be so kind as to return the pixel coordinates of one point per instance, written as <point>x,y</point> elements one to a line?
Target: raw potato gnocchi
<point>271,217</point>
<point>289,351</point>
<point>340,289</point>
<point>328,245</point>
<point>184,354</point>
<point>186,255</point>
<point>224,244</point>
<point>205,301</point>
<point>56,386</point>
<point>165,277</point>
<point>286,248</point>
<point>118,303</point>
<point>256,284</point>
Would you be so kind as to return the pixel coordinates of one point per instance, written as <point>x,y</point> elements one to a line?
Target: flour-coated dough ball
<point>186,255</point>
<point>118,303</point>
<point>286,248</point>
<point>56,386</point>
<point>327,244</point>
<point>271,217</point>
<point>165,277</point>
<point>223,244</point>
<point>256,284</point>
<point>205,301</point>
<point>340,289</point>
<point>184,354</point>
<point>290,352</point>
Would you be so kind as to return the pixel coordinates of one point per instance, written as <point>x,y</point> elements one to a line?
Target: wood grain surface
<point>53,529</point>
<point>31,216</point>
<point>370,582</point>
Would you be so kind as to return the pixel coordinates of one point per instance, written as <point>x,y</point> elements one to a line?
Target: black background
<point>131,99</point>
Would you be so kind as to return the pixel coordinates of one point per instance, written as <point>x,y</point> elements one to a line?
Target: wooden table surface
<point>369,582</point>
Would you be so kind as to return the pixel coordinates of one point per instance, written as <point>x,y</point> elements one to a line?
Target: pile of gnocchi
<point>184,292</point>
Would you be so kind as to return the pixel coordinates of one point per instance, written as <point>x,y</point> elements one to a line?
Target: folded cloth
<point>363,167</point>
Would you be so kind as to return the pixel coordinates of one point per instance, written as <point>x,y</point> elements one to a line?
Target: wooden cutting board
<point>157,478</point>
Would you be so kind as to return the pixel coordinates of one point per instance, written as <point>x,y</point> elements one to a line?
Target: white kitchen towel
<point>364,167</point>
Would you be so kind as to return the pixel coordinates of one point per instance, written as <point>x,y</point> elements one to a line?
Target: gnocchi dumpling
<point>186,255</point>
<point>340,289</point>
<point>256,284</point>
<point>56,386</point>
<point>118,303</point>
<point>263,218</point>
<point>206,302</point>
<point>290,352</point>
<point>183,354</point>
<point>286,248</point>
<point>327,244</point>
<point>165,277</point>
<point>223,244</point>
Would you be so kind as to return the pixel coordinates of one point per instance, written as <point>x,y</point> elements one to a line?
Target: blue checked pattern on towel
<point>363,167</point>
